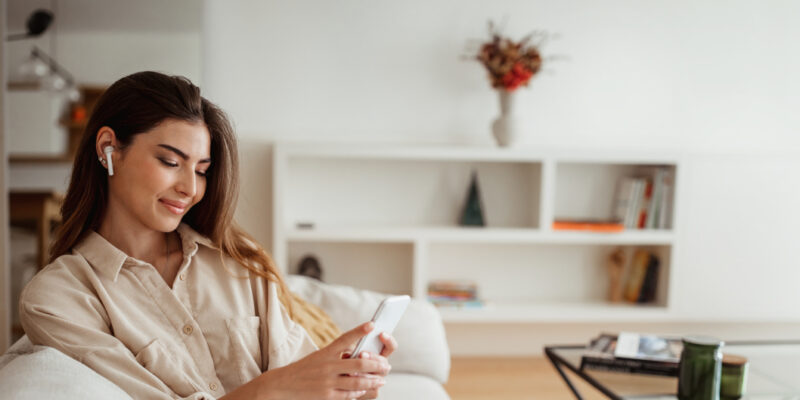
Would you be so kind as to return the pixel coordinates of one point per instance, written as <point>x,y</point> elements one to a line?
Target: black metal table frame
<point>559,363</point>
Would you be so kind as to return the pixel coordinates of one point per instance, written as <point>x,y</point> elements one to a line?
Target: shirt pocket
<point>244,334</point>
<point>159,361</point>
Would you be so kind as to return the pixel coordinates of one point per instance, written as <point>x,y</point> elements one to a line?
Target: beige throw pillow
<point>316,322</point>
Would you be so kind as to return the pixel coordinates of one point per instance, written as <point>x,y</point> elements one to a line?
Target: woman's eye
<point>168,163</point>
<point>202,173</point>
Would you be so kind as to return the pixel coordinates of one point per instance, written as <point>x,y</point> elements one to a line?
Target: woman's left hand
<point>389,347</point>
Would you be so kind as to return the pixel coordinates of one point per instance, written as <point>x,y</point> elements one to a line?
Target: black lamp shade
<point>39,21</point>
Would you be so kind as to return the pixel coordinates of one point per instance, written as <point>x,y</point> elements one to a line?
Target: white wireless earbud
<point>108,150</point>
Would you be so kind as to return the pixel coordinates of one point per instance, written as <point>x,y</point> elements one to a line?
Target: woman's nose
<point>187,185</point>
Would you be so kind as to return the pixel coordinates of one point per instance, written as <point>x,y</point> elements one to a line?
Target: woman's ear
<point>105,147</point>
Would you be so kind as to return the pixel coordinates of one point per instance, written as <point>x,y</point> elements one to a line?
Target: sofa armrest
<point>39,372</point>
<point>420,334</point>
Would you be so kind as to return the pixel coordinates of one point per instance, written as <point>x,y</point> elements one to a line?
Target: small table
<point>774,373</point>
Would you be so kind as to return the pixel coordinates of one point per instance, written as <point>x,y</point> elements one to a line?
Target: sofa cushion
<point>46,373</point>
<point>420,333</point>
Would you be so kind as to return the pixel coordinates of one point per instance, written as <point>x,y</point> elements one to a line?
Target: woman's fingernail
<point>365,355</point>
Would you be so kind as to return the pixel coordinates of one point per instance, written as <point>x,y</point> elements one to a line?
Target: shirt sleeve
<point>58,310</point>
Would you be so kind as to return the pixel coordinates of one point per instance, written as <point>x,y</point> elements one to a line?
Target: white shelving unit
<point>385,218</point>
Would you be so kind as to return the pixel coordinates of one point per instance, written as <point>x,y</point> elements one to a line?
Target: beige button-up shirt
<point>216,329</point>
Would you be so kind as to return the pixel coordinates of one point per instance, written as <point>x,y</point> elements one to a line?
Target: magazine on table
<point>634,353</point>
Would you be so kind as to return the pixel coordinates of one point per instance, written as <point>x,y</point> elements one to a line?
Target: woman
<point>150,282</point>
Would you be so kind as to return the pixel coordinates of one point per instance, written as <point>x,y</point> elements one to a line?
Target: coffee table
<point>774,373</point>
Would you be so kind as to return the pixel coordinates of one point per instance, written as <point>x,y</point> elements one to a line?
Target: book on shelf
<point>625,189</point>
<point>456,294</point>
<point>634,353</point>
<point>588,225</point>
<point>647,291</point>
<point>642,280</point>
<point>643,202</point>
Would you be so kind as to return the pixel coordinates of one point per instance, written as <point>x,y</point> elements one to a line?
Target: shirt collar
<point>109,260</point>
<point>190,238</point>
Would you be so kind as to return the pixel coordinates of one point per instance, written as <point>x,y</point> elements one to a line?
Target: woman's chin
<point>167,223</point>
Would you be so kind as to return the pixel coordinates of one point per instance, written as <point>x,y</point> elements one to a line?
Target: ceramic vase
<point>507,126</point>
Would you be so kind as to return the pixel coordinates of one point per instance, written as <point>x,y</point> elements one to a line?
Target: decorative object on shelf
<point>473,209</point>
<point>615,266</point>
<point>310,267</point>
<point>506,128</point>
<point>510,65</point>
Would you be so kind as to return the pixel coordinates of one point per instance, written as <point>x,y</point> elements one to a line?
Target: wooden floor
<point>510,379</point>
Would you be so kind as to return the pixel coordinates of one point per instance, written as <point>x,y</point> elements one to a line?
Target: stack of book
<point>644,202</point>
<point>446,293</point>
<point>633,353</point>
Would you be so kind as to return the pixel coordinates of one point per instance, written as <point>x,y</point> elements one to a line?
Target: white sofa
<point>419,367</point>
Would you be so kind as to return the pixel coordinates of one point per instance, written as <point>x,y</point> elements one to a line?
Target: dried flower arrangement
<point>511,64</point>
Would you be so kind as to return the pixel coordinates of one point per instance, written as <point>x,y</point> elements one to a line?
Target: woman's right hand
<point>323,374</point>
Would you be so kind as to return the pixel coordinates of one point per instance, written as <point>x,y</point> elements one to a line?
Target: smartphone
<point>385,320</point>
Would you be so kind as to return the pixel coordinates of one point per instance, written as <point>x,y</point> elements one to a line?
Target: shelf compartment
<point>397,193</point>
<point>381,267</point>
<point>538,273</point>
<point>588,191</point>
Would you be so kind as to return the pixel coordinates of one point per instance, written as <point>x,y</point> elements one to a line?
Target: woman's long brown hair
<point>136,104</point>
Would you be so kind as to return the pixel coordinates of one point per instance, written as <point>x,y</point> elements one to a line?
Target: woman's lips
<point>174,207</point>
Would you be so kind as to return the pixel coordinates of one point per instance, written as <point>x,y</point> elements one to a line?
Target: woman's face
<point>161,174</point>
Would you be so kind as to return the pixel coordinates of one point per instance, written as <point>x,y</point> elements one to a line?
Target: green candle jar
<point>700,369</point>
<point>734,377</point>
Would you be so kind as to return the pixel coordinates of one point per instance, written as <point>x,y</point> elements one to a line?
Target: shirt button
<point>212,386</point>
<point>183,277</point>
<point>187,329</point>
